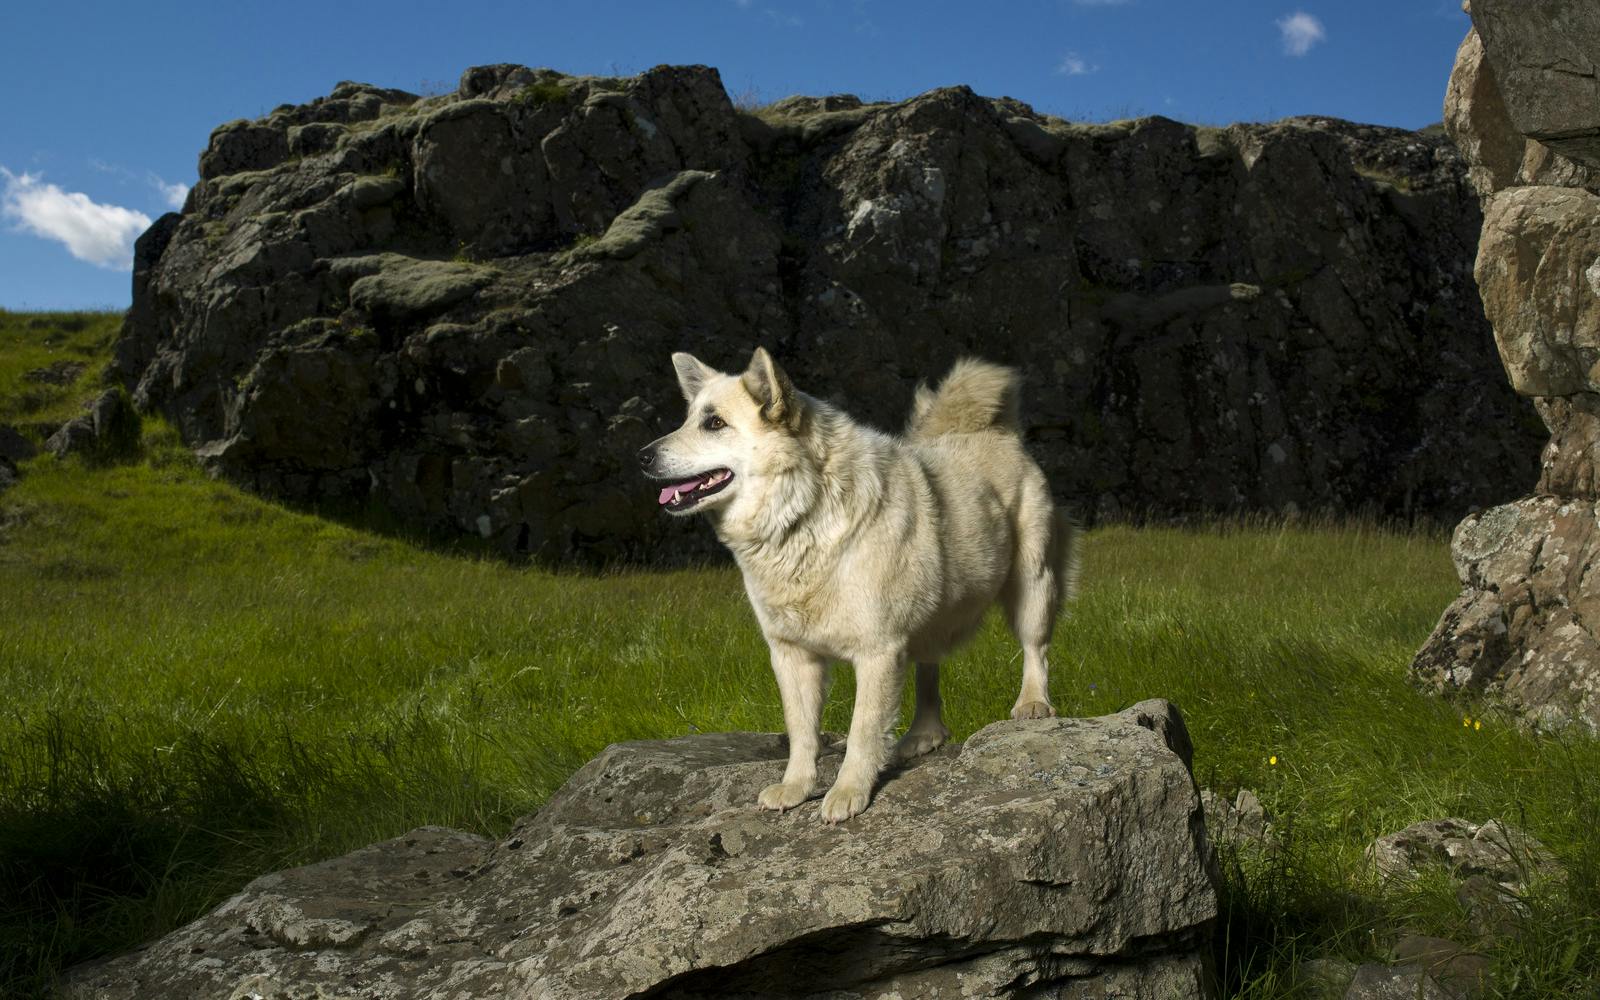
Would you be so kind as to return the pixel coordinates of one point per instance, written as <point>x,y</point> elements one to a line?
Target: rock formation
<point>1524,103</point>
<point>107,430</point>
<point>1056,858</point>
<point>461,307</point>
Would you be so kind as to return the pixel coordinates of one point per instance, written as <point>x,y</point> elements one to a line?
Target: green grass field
<point>201,686</point>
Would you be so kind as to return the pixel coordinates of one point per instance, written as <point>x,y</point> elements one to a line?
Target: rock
<point>9,476</point>
<point>1524,625</point>
<point>1544,58</point>
<point>1374,981</point>
<point>1538,271</point>
<point>1067,856</point>
<point>1493,910</point>
<point>1461,972</point>
<point>57,373</point>
<point>397,289</point>
<point>1477,121</point>
<point>107,432</point>
<point>1324,978</point>
<point>14,447</point>
<point>1262,317</point>
<point>1493,849</point>
<point>1242,820</point>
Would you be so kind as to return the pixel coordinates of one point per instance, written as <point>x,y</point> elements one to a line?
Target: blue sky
<point>111,103</point>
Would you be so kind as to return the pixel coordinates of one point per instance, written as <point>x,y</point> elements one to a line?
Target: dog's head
<point>740,429</point>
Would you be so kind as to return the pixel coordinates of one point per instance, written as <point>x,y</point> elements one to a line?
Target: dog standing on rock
<point>858,545</point>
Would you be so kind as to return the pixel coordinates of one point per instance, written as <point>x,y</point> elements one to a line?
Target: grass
<point>50,361</point>
<point>202,686</point>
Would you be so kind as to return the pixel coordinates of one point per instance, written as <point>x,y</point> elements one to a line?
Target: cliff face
<point>462,306</point>
<point>1524,102</point>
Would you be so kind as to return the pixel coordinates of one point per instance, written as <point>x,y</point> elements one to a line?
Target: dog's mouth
<point>679,498</point>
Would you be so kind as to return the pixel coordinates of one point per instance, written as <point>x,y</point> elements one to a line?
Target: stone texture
<point>1538,271</point>
<point>1476,119</point>
<point>1461,972</point>
<point>1058,858</point>
<point>1547,65</point>
<point>106,431</point>
<point>1240,820</point>
<point>1494,850</point>
<point>1261,317</point>
<point>1524,625</point>
<point>1375,981</point>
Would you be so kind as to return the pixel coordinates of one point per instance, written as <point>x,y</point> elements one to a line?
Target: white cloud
<point>173,193</point>
<point>1073,64</point>
<point>1300,32</point>
<point>99,234</point>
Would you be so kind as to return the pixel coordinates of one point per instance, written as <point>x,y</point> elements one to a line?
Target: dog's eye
<point>714,423</point>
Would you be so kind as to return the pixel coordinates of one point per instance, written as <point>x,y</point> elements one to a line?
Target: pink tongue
<point>684,487</point>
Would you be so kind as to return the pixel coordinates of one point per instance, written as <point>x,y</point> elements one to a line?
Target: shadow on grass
<point>106,842</point>
<point>97,852</point>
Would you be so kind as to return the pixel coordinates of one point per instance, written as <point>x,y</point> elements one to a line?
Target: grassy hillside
<point>202,686</point>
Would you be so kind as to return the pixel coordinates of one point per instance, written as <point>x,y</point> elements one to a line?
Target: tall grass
<point>201,686</point>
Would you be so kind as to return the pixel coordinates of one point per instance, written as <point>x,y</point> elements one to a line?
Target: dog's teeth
<point>675,496</point>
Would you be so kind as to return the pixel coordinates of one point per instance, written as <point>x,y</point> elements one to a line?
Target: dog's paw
<point>844,801</point>
<point>782,797</point>
<point>1033,710</point>
<point>917,742</point>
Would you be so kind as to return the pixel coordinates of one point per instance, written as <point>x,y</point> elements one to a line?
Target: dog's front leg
<point>803,685</point>
<point>879,682</point>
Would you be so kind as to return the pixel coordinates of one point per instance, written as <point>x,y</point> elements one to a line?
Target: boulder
<point>1376,981</point>
<point>1493,849</point>
<point>1259,317</point>
<point>1063,857</point>
<point>1240,820</point>
<point>1538,271</point>
<point>1548,70</point>
<point>1524,625</point>
<point>108,430</point>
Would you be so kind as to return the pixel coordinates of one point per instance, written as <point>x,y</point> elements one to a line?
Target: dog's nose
<point>647,454</point>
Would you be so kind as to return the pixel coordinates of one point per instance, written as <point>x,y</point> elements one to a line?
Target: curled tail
<point>974,396</point>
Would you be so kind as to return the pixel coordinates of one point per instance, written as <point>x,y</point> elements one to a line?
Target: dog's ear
<point>692,375</point>
<point>772,390</point>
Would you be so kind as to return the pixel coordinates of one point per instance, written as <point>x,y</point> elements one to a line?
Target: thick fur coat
<point>863,546</point>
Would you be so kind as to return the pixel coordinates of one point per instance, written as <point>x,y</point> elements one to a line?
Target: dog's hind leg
<point>927,730</point>
<point>1042,573</point>
<point>803,685</point>
<point>879,682</point>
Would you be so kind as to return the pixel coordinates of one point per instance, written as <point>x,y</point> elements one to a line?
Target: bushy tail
<point>1066,555</point>
<point>975,396</point>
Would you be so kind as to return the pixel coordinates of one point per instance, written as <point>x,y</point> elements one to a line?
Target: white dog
<point>861,546</point>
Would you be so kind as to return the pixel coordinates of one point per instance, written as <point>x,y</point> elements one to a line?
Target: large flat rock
<point>1051,858</point>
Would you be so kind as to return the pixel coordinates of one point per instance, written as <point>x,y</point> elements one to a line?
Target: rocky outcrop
<point>461,307</point>
<point>1522,103</point>
<point>1057,858</point>
<point>107,430</point>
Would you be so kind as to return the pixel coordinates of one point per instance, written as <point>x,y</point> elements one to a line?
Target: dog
<point>862,546</point>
